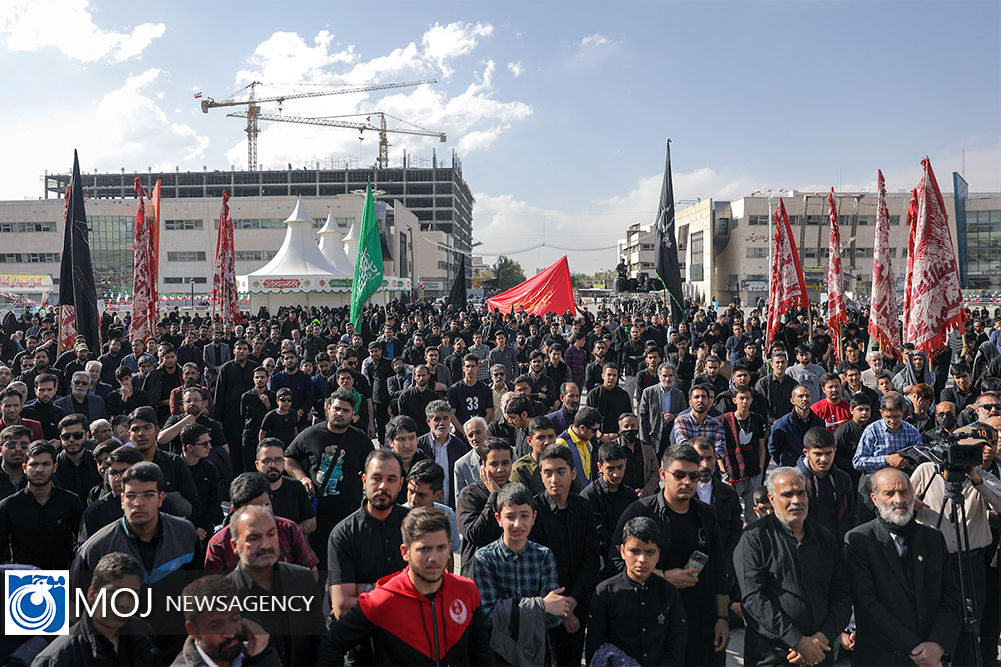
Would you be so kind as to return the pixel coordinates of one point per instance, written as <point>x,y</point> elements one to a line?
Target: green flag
<point>368,263</point>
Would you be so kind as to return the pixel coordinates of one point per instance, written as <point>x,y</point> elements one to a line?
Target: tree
<point>508,273</point>
<point>580,280</point>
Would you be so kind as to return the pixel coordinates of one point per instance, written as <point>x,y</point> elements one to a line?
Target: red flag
<point>224,274</point>
<point>67,314</point>
<point>884,322</point>
<point>143,300</point>
<point>933,296</point>
<point>836,313</point>
<point>155,254</point>
<point>788,288</point>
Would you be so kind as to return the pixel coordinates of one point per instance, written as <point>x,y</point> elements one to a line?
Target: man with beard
<point>592,374</point>
<point>81,401</point>
<point>299,383</point>
<point>40,369</point>
<point>831,495</point>
<point>76,468</point>
<point>658,407</point>
<point>377,370</point>
<point>687,525</point>
<point>127,397</point>
<point>176,481</point>
<point>196,441</point>
<point>162,380</point>
<point>610,400</point>
<point>415,399</point>
<point>698,422</point>
<point>236,377</point>
<point>254,533</point>
<point>641,459</point>
<point>467,469</point>
<point>43,409</point>
<point>288,498</point>
<point>441,446</point>
<point>220,636</point>
<point>193,402</point>
<point>190,378</point>
<point>38,523</point>
<point>785,444</point>
<point>254,405</point>
<point>11,404</point>
<point>908,608</point>
<point>791,619</point>
<point>215,355</point>
<point>14,441</point>
<point>365,546</point>
<point>326,459</point>
<point>569,403</point>
<point>387,619</point>
<point>915,371</point>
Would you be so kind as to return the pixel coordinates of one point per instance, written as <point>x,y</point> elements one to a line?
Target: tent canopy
<point>547,292</point>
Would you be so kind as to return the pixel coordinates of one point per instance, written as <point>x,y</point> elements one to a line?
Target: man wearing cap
<point>79,362</point>
<point>981,494</point>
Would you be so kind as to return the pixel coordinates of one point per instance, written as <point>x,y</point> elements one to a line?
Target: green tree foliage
<point>508,273</point>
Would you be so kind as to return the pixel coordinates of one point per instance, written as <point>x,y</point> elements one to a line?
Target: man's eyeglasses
<point>991,406</point>
<point>681,474</point>
<point>16,445</point>
<point>80,383</point>
<point>145,496</point>
<point>284,399</point>
<point>278,460</point>
<point>115,473</point>
<point>73,436</point>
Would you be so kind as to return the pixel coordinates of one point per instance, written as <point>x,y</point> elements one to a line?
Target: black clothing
<point>363,549</point>
<point>47,414</point>
<point>846,439</point>
<point>901,601</point>
<point>232,383</point>
<point>607,507</point>
<point>291,501</point>
<point>567,533</point>
<point>414,402</point>
<point>778,395</point>
<point>720,383</point>
<point>79,479</point>
<point>296,636</point>
<point>116,406</point>
<point>209,514</point>
<point>959,398</point>
<point>789,589</point>
<point>277,425</point>
<point>85,647</point>
<point>177,478</point>
<point>611,403</point>
<point>474,511</point>
<point>252,411</point>
<point>646,620</point>
<point>217,436</point>
<point>40,535</point>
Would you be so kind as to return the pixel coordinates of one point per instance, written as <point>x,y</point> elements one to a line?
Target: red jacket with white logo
<point>408,628</point>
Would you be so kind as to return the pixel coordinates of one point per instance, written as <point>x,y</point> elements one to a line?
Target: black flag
<point>457,295</point>
<point>666,257</point>
<point>77,293</point>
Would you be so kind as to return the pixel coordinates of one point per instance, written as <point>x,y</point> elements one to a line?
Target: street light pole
<point>192,283</point>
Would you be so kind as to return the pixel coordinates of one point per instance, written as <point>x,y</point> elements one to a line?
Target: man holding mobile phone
<point>687,526</point>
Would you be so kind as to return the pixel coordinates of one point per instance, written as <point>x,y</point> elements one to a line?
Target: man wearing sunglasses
<point>14,442</point>
<point>76,467</point>
<point>687,525</point>
<point>80,401</point>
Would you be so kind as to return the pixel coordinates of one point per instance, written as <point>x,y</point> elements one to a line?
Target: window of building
<point>682,238</point>
<point>261,223</point>
<point>178,280</point>
<point>186,256</point>
<point>757,253</point>
<point>813,220</point>
<point>756,220</point>
<point>756,276</point>
<point>255,255</point>
<point>646,246</point>
<point>894,219</point>
<point>18,227</point>
<point>178,225</point>
<point>29,257</point>
<point>697,245</point>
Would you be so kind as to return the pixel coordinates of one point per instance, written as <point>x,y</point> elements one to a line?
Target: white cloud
<point>443,43</point>
<point>595,41</point>
<point>516,69</point>
<point>28,25</point>
<point>127,128</point>
<point>473,118</point>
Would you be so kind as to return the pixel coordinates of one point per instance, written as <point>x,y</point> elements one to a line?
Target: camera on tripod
<point>961,450</point>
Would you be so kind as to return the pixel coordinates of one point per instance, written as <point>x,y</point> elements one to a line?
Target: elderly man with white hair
<point>467,469</point>
<point>81,401</point>
<point>102,389</point>
<point>870,376</point>
<point>795,592</point>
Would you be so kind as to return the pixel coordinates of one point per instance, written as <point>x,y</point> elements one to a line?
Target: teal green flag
<point>368,263</point>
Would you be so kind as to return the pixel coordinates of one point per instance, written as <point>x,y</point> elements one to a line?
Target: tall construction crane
<point>383,160</point>
<point>254,110</point>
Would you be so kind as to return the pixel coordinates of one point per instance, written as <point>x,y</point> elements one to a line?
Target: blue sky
<point>559,110</point>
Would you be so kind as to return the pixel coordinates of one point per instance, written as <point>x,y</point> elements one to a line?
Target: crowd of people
<point>457,486</point>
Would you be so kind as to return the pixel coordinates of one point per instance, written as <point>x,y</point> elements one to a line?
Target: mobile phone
<point>696,561</point>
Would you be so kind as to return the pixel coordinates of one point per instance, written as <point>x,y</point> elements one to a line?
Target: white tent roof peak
<point>299,255</point>
<point>298,213</point>
<point>332,247</point>
<point>354,234</point>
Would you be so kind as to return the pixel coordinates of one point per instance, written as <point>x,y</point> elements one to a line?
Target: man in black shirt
<point>777,387</point>
<point>177,482</point>
<point>608,495</point>
<point>127,397</point>
<point>847,436</point>
<point>254,405</point>
<point>236,377</point>
<point>415,399</point>
<point>365,546</point>
<point>609,399</point>
<point>76,468</point>
<point>38,524</point>
<point>288,497</point>
<point>377,370</point>
<point>795,589</point>
<point>43,409</point>
<point>193,402</point>
<point>14,441</point>
<point>197,441</point>
<point>476,504</point>
<point>688,525</point>
<point>635,611</point>
<point>327,459</point>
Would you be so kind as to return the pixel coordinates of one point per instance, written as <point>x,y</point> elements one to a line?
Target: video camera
<point>959,451</point>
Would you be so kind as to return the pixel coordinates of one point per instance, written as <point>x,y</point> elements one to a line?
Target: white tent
<point>301,274</point>
<point>351,240</point>
<point>332,246</point>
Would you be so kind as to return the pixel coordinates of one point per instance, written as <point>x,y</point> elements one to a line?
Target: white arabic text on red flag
<point>787,288</point>
<point>884,322</point>
<point>837,316</point>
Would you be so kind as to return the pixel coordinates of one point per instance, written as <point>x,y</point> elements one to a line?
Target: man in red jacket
<point>423,615</point>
